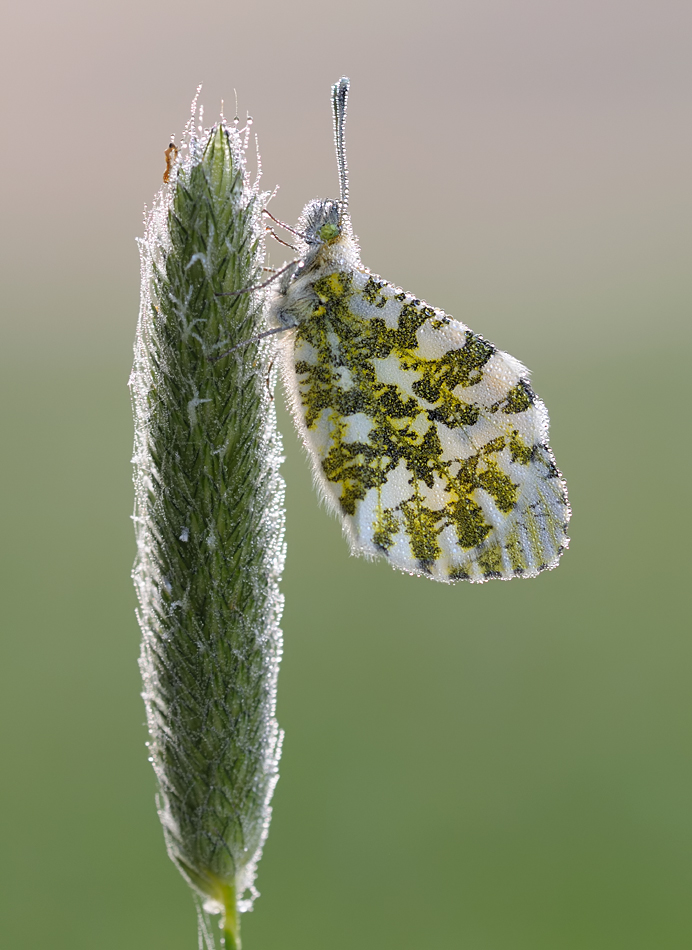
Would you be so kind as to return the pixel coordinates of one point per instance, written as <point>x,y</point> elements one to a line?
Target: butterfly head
<point>322,222</point>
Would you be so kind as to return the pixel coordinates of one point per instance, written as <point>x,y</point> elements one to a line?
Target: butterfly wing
<point>428,440</point>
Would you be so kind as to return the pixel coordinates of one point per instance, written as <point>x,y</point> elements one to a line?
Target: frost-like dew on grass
<point>209,522</point>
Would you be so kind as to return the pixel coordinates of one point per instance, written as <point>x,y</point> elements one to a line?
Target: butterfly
<point>427,440</point>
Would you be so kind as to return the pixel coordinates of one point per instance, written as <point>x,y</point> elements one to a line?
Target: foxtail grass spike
<point>209,522</point>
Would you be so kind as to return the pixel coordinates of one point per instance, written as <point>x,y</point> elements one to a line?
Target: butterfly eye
<point>329,233</point>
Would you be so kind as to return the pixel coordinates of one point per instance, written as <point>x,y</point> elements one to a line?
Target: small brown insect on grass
<point>171,154</point>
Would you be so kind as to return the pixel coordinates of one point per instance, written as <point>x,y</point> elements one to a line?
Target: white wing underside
<point>466,475</point>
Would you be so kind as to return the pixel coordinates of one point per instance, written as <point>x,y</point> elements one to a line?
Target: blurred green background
<point>505,767</point>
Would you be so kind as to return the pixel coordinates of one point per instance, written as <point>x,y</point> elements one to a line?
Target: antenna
<point>339,99</point>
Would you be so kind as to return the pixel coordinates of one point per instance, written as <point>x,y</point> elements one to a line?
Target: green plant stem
<point>231,920</point>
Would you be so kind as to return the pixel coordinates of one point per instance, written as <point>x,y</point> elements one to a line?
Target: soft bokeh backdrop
<point>496,768</point>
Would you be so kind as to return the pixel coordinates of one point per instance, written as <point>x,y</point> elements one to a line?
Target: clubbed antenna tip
<point>339,100</point>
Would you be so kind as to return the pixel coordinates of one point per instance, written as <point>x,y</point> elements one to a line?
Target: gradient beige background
<point>495,768</point>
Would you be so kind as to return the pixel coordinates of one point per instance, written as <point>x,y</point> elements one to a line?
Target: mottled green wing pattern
<point>428,440</point>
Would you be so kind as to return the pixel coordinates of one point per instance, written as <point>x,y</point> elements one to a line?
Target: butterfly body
<point>427,439</point>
